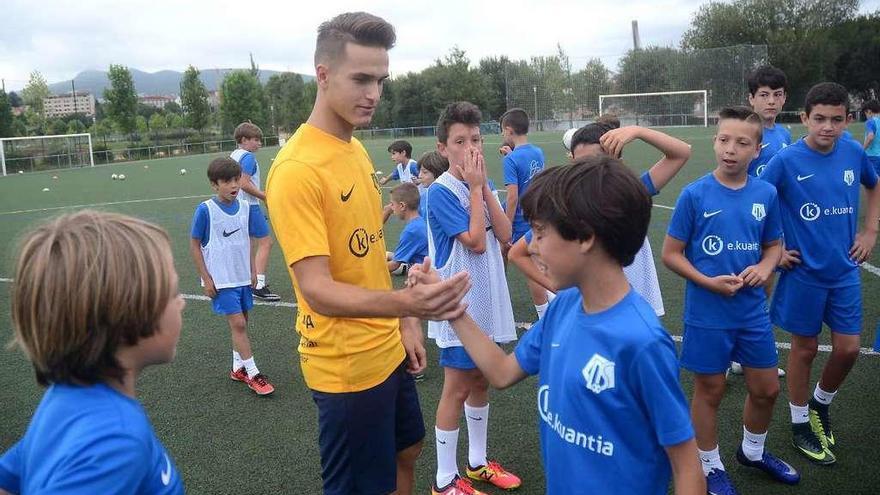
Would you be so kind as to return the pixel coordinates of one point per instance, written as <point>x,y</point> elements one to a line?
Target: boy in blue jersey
<point>90,433</point>
<point>249,138</point>
<point>220,241</point>
<point>405,168</point>
<point>725,240</point>
<point>767,94</point>
<point>612,415</point>
<point>817,180</point>
<point>872,127</point>
<point>520,165</point>
<point>466,228</point>
<point>413,244</point>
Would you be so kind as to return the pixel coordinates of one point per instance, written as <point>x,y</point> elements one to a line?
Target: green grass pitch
<point>224,439</point>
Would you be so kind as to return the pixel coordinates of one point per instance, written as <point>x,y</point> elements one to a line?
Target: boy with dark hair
<point>466,227</point>
<point>249,139</point>
<point>405,168</point>
<point>725,240</point>
<point>520,165</point>
<point>872,127</point>
<point>817,180</point>
<point>221,233</point>
<point>431,165</point>
<point>767,94</point>
<point>413,244</point>
<point>612,415</point>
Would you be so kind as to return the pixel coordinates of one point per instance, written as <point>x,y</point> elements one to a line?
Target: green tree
<point>241,99</point>
<point>176,121</point>
<point>35,92</point>
<point>285,94</point>
<point>158,122</point>
<point>194,99</point>
<point>857,43</point>
<point>142,126</point>
<point>75,127</point>
<point>494,70</point>
<point>57,126</point>
<point>588,84</point>
<point>121,106</point>
<point>6,117</point>
<point>172,107</point>
<point>15,100</point>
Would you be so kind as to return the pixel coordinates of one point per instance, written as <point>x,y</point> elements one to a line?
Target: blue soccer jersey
<point>413,244</point>
<point>774,139</point>
<point>819,201</point>
<point>520,165</point>
<point>871,127</point>
<point>89,439</point>
<point>609,398</point>
<point>724,231</point>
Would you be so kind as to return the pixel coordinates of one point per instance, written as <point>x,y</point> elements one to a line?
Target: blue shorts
<point>801,309</point>
<point>875,161</point>
<point>456,357</point>
<point>233,300</point>
<point>257,225</point>
<point>709,351</point>
<point>360,434</point>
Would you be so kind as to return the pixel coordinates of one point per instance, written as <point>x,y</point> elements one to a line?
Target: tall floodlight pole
<point>535,91</point>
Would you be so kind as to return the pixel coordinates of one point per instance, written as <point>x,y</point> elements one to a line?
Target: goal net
<point>35,153</point>
<point>667,108</point>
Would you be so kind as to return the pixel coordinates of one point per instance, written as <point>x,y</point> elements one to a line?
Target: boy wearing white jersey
<point>249,138</point>
<point>220,246</point>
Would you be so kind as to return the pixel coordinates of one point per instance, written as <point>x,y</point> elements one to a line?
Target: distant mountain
<point>166,82</point>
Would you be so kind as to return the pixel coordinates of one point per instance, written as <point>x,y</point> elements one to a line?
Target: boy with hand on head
<point>520,165</point>
<point>725,239</point>
<point>466,227</point>
<point>405,168</point>
<point>220,242</point>
<point>612,415</point>
<point>817,180</point>
<point>767,94</point>
<point>250,139</point>
<point>90,434</point>
<point>413,244</point>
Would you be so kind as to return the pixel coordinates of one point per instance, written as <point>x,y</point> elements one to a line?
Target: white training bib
<point>228,251</point>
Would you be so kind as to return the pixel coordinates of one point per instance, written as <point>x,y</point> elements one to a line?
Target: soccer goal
<point>35,153</point>
<point>661,109</point>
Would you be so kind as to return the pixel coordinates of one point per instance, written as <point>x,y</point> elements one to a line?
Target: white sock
<point>541,309</point>
<point>251,367</point>
<point>753,444</point>
<point>799,414</point>
<point>478,433</point>
<point>261,280</point>
<point>236,361</point>
<point>710,459</point>
<point>823,397</point>
<point>447,447</point>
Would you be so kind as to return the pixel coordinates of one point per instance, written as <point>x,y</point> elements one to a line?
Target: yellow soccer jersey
<point>323,200</point>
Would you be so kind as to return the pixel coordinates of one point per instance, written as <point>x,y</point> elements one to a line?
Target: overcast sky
<point>61,38</point>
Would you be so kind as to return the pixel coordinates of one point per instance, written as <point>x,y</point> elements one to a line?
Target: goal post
<point>33,153</point>
<point>660,109</point>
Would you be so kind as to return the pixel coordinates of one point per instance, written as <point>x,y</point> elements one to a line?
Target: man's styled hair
<point>744,114</point>
<point>459,112</point>
<point>359,28</point>
<point>401,145</point>
<point>407,193</point>
<point>224,169</point>
<point>247,130</point>
<point>517,119</point>
<point>872,105</point>
<point>87,284</point>
<point>434,162</point>
<point>826,93</point>
<point>591,133</point>
<point>768,76</point>
<point>594,196</point>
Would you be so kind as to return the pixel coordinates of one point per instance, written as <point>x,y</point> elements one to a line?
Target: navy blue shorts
<point>360,434</point>
<point>801,309</point>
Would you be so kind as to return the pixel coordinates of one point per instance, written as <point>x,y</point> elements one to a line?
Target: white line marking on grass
<point>197,297</point>
<point>104,204</point>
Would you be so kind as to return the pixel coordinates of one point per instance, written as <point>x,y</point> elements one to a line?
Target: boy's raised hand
<point>614,140</point>
<point>726,285</point>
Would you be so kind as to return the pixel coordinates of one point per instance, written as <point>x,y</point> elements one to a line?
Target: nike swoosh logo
<point>707,214</point>
<point>227,234</point>
<point>804,177</point>
<point>475,419</point>
<point>166,474</point>
<point>346,196</point>
<point>441,442</point>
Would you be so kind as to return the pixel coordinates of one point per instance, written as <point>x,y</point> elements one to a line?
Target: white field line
<point>202,196</point>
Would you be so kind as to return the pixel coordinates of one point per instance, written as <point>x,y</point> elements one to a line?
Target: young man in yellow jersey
<point>359,343</point>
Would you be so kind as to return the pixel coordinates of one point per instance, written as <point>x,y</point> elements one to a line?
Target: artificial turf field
<point>226,440</point>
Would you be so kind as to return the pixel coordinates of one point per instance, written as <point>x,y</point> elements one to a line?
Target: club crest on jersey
<point>599,374</point>
<point>849,177</point>
<point>758,211</point>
